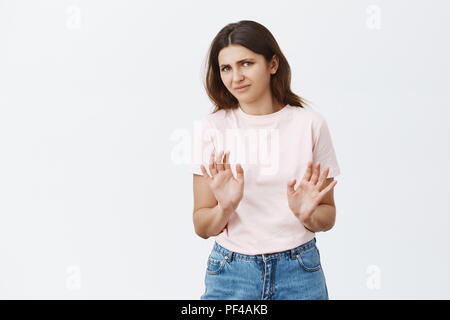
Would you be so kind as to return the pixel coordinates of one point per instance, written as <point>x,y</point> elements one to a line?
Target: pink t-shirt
<point>272,149</point>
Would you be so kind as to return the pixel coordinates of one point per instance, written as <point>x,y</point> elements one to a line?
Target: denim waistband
<point>291,253</point>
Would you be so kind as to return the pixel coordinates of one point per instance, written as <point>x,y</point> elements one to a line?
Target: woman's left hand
<point>307,197</point>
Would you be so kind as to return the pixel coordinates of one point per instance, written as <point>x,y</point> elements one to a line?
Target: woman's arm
<point>209,219</point>
<point>324,216</point>
<point>210,222</point>
<point>322,219</point>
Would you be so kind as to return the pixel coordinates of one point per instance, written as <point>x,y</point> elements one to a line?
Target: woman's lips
<point>243,88</point>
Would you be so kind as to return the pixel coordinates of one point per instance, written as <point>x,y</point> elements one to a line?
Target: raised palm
<point>308,195</point>
<point>227,189</point>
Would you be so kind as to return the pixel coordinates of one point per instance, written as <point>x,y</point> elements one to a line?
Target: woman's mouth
<point>242,88</point>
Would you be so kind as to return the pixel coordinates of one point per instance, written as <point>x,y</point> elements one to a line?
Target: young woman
<point>264,225</point>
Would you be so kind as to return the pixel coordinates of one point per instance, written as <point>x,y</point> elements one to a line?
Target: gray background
<point>93,95</point>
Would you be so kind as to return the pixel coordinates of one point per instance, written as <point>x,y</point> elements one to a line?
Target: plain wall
<point>95,201</point>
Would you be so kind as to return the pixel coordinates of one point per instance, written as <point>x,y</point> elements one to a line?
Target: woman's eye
<point>223,69</point>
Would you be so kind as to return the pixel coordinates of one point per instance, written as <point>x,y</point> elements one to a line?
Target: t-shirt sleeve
<point>323,150</point>
<point>202,146</point>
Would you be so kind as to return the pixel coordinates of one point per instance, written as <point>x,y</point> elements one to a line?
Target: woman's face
<point>240,66</point>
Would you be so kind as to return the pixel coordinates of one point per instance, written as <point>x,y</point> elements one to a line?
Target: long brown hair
<point>259,39</point>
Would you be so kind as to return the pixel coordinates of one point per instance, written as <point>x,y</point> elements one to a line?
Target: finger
<point>239,173</point>
<point>205,173</point>
<point>226,161</point>
<point>322,179</point>
<point>212,164</point>
<point>328,188</point>
<point>316,172</point>
<point>307,175</point>
<point>220,162</point>
<point>290,187</point>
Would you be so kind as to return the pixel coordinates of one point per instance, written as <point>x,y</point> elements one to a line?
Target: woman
<point>265,245</point>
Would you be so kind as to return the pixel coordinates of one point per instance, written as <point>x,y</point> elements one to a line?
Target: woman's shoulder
<point>219,114</point>
<point>307,114</point>
<point>215,119</point>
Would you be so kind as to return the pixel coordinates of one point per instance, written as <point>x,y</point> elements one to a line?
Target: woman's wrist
<point>225,210</point>
<point>309,224</point>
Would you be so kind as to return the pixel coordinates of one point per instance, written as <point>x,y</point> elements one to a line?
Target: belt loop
<point>292,254</point>
<point>229,256</point>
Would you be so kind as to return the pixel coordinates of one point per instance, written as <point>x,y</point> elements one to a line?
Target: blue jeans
<point>294,274</point>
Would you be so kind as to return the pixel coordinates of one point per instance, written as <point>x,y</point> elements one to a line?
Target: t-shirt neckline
<point>261,116</point>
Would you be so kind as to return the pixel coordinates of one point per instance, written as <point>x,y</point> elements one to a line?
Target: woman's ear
<point>274,64</point>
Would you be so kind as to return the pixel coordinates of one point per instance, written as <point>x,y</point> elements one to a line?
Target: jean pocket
<point>215,264</point>
<point>309,259</point>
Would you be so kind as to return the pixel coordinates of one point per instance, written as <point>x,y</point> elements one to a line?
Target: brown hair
<point>259,39</point>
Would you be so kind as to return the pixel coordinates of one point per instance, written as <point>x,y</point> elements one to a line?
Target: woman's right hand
<point>227,189</point>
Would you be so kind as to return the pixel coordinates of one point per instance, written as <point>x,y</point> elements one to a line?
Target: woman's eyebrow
<point>223,65</point>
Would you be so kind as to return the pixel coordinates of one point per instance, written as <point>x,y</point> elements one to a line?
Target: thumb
<point>239,172</point>
<point>290,186</point>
